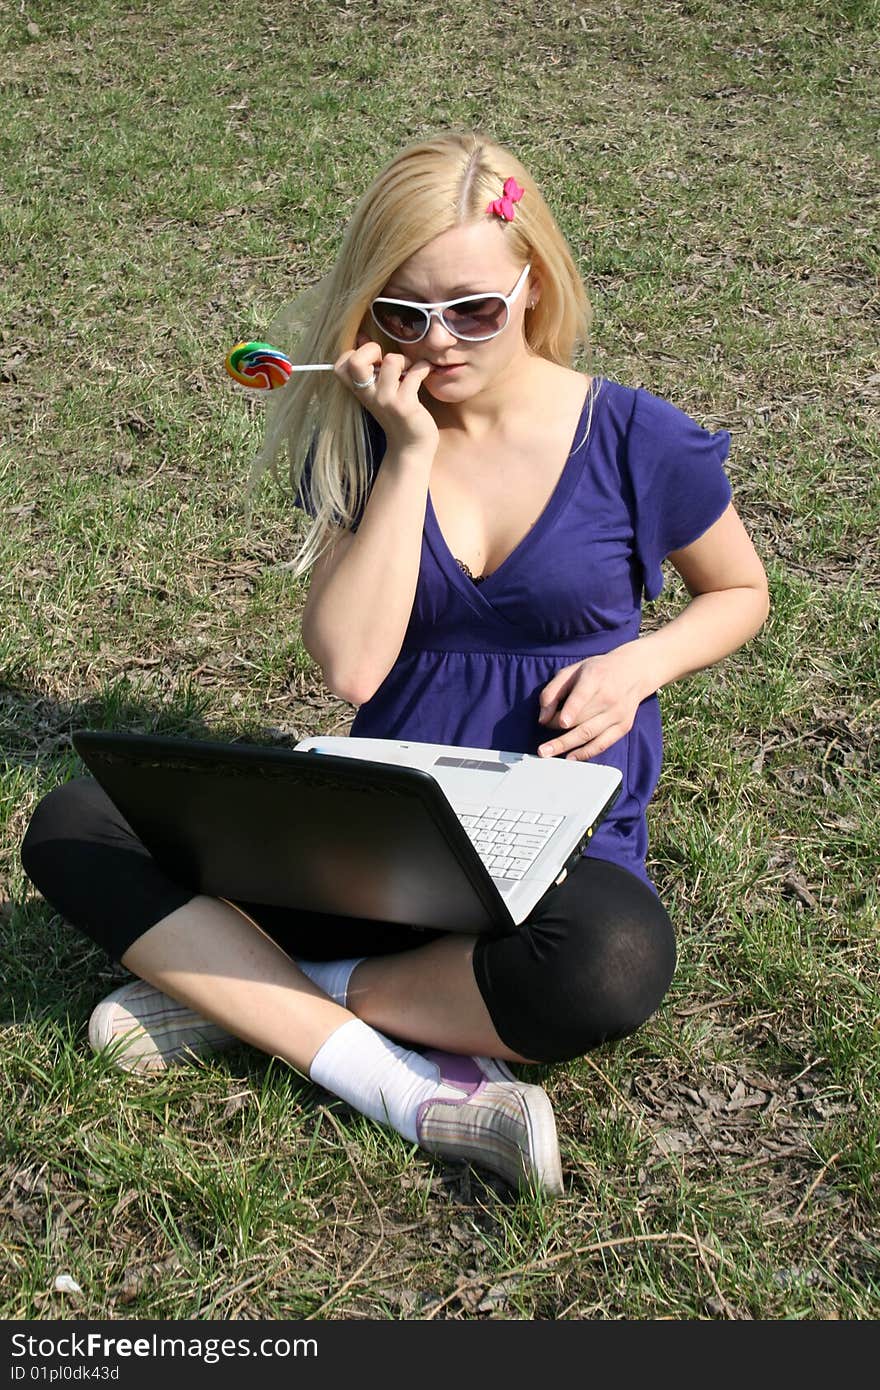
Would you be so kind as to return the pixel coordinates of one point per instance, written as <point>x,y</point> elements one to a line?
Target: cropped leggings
<point>591,963</point>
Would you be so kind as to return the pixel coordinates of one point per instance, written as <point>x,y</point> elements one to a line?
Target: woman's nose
<point>438,335</point>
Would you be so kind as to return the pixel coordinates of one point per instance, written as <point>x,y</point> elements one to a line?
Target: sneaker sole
<point>543,1142</point>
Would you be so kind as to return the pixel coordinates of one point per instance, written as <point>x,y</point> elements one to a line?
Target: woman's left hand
<point>593,703</point>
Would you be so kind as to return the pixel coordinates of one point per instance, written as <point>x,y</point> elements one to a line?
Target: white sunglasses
<point>474,318</point>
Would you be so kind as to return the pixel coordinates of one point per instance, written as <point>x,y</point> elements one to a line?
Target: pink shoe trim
<point>456,1070</point>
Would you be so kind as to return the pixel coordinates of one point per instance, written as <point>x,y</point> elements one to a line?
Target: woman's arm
<point>729,604</point>
<point>593,703</point>
<point>362,588</point>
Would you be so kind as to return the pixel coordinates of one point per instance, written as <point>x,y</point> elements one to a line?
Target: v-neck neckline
<point>565,483</point>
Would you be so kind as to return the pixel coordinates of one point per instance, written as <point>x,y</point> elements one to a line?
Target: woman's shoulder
<point>631,404</point>
<point>556,390</point>
<point>643,408</point>
<point>563,382</point>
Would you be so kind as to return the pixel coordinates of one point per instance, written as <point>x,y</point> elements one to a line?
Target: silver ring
<point>361,384</point>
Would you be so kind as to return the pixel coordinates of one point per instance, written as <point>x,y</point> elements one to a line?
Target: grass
<point>713,170</point>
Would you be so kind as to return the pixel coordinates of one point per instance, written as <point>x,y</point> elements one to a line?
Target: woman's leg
<point>429,996</point>
<point>207,955</point>
<point>87,862</point>
<point>593,963</point>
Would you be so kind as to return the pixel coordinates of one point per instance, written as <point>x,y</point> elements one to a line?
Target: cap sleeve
<point>375,446</point>
<point>679,486</point>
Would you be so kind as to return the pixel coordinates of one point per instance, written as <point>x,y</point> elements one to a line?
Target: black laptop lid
<point>297,829</point>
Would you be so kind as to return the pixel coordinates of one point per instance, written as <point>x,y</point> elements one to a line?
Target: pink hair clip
<point>503,206</point>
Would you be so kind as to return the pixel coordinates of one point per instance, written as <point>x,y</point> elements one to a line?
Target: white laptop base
<point>526,816</point>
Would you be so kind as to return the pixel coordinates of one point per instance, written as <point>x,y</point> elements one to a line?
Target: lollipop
<point>258,365</point>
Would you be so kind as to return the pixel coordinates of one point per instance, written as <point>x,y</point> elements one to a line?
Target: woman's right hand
<point>393,397</point>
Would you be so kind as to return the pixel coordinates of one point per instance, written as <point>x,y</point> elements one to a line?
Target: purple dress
<point>645,481</point>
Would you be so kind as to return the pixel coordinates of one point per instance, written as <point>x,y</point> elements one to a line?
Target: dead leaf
<point>235,1103</point>
<point>674,1141</point>
<point>795,887</point>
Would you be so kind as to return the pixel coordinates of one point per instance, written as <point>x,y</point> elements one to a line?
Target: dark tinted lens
<point>477,318</point>
<point>398,320</point>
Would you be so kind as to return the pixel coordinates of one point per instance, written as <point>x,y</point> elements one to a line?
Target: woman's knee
<point>78,810</point>
<point>87,862</point>
<point>625,977</point>
<point>52,819</point>
<point>566,984</point>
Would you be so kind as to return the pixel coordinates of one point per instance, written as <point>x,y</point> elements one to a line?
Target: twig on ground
<point>639,1119</point>
<point>531,1265</point>
<point>228,1294</point>
<point>728,1311</point>
<point>812,1187</point>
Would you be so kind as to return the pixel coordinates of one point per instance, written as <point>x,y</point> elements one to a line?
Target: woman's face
<point>473,259</point>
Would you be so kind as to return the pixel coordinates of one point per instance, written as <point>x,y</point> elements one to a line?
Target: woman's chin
<point>444,382</point>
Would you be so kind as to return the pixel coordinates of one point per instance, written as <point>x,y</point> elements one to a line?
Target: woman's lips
<point>452,367</point>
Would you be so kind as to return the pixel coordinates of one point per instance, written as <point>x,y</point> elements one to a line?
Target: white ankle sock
<point>377,1077</point>
<point>332,976</point>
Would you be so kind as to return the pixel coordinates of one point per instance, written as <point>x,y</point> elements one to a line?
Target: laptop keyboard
<point>507,841</point>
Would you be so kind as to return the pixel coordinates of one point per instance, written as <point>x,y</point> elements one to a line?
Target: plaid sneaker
<point>497,1123</point>
<point>144,1031</point>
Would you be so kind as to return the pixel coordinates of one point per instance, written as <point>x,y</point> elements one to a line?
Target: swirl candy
<point>258,365</point>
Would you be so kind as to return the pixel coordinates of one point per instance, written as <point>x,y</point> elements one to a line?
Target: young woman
<point>485,522</point>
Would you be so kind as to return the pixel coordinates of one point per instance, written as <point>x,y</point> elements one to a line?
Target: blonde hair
<point>436,184</point>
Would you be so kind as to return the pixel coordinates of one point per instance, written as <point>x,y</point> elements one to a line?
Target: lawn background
<point>170,174</point>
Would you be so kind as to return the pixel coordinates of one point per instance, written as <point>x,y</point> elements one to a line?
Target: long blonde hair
<point>436,184</point>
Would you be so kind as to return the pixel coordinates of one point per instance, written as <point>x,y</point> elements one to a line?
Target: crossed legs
<point>592,964</point>
<point>211,957</point>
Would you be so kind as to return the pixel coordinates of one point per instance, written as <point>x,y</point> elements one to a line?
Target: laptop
<point>425,835</point>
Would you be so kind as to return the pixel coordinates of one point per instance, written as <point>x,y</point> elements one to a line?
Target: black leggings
<point>592,962</point>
